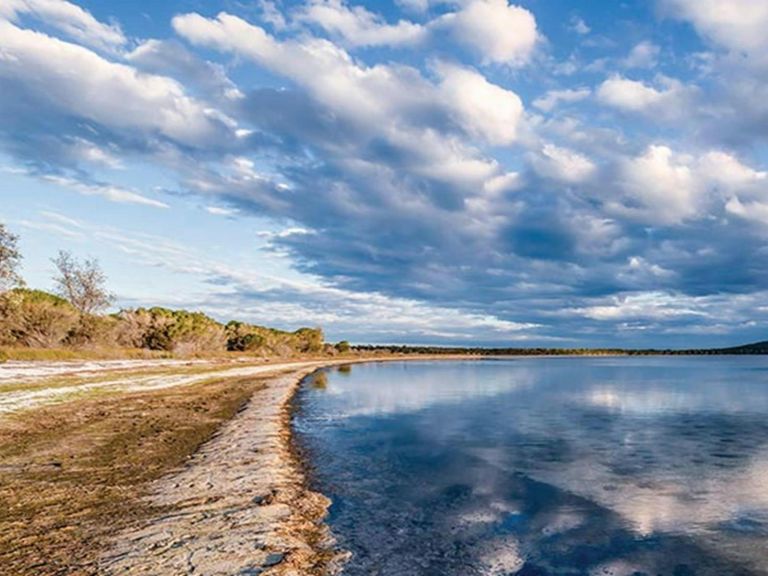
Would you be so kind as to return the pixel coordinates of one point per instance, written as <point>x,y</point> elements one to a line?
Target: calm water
<point>544,466</point>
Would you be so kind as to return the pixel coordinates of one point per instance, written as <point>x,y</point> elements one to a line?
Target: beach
<point>121,470</point>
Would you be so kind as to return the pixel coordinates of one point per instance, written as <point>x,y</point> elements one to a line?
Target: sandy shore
<point>240,505</point>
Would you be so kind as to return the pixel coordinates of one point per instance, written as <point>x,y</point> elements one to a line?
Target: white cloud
<point>484,109</point>
<point>68,18</point>
<point>738,25</point>
<point>553,98</point>
<point>643,306</point>
<point>500,32</point>
<point>171,58</point>
<point>635,96</point>
<point>579,26</point>
<point>356,26</point>
<point>219,211</point>
<point>108,191</point>
<point>563,165</point>
<point>661,187</point>
<point>80,83</point>
<point>658,187</point>
<point>390,103</point>
<point>417,6</point>
<point>643,55</point>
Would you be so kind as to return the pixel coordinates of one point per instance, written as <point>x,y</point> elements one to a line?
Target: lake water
<point>572,466</point>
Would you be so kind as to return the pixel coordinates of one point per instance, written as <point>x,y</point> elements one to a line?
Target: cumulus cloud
<point>356,26</point>
<point>643,55</point>
<point>737,25</point>
<point>498,31</point>
<point>69,18</point>
<point>484,109</point>
<point>563,165</point>
<point>171,59</point>
<point>635,96</point>
<point>84,85</point>
<point>661,187</point>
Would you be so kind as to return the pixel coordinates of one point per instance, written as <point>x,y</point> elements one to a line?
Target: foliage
<point>172,330</point>
<point>35,318</point>
<point>10,259</point>
<point>242,337</point>
<point>82,283</point>
<point>343,347</point>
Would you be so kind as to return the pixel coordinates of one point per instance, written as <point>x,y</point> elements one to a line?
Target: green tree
<point>343,346</point>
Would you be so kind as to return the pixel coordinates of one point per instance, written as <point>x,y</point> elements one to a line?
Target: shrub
<point>35,318</point>
<point>309,340</point>
<point>171,330</point>
<point>343,346</point>
<point>242,337</point>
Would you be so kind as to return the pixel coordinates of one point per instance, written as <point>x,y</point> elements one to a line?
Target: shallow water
<point>572,466</point>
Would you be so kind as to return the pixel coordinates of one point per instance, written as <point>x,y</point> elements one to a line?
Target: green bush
<point>171,330</point>
<point>242,337</point>
<point>343,347</point>
<point>35,318</point>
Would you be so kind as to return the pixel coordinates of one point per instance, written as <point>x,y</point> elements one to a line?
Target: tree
<point>10,258</point>
<point>343,346</point>
<point>83,284</point>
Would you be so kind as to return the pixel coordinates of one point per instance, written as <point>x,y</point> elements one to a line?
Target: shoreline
<point>239,506</point>
<point>242,503</point>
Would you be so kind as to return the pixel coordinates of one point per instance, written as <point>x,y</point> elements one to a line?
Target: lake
<point>543,466</point>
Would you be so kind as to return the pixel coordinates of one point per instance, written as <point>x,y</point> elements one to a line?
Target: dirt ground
<point>73,474</point>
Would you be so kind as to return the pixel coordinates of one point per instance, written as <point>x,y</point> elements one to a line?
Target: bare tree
<point>10,259</point>
<point>82,283</point>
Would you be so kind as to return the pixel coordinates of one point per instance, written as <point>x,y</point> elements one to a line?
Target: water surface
<point>572,466</point>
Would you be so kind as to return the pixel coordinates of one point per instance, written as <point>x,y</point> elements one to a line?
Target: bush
<point>35,318</point>
<point>343,346</point>
<point>309,340</point>
<point>171,330</point>
<point>93,330</point>
<point>242,337</point>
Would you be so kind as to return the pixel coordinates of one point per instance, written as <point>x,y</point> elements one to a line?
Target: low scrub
<point>33,319</point>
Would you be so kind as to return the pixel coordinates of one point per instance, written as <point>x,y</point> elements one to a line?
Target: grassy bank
<point>73,474</point>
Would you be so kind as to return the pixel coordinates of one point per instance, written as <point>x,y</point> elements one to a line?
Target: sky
<point>473,172</point>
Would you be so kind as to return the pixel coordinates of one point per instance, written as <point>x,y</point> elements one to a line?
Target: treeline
<point>74,317</point>
<point>758,348</point>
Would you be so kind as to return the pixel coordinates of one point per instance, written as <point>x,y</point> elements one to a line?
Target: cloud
<point>356,26</point>
<point>69,18</point>
<point>737,25</point>
<point>81,84</point>
<point>645,306</point>
<point>578,25</point>
<point>170,58</point>
<point>484,109</point>
<point>554,98</point>
<point>563,165</point>
<point>635,96</point>
<point>500,33</point>
<point>643,55</point>
<point>661,187</point>
<point>109,192</point>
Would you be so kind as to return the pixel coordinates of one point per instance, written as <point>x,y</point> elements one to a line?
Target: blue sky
<point>421,171</point>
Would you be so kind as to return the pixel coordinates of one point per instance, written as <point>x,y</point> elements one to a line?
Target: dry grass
<point>73,474</point>
<point>71,354</point>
